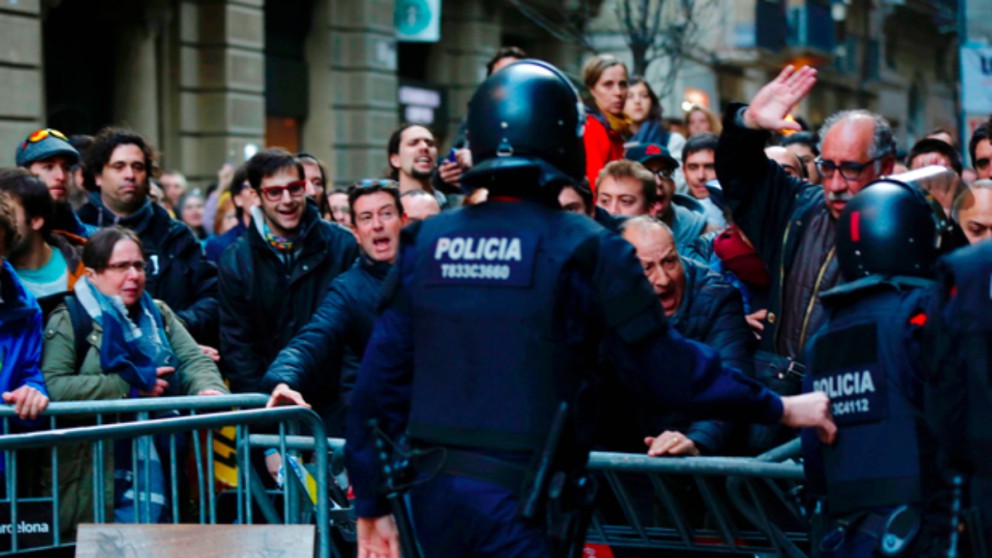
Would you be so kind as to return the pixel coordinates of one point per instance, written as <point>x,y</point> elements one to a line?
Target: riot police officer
<point>498,314</point>
<point>876,479</point>
<point>958,345</point>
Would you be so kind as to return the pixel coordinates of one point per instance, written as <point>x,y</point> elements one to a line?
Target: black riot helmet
<point>525,127</point>
<point>889,228</point>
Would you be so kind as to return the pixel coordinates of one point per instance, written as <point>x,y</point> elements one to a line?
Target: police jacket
<point>498,312</point>
<point>322,359</point>
<point>958,346</point>
<point>775,210</point>
<point>177,273</point>
<point>867,359</point>
<point>266,297</point>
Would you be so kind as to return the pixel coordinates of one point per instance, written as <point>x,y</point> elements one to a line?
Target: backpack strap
<point>82,326</point>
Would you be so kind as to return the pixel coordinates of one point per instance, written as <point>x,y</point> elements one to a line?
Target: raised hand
<point>776,99</point>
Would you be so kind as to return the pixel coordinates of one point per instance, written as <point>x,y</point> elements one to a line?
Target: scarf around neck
<point>134,342</point>
<point>280,243</point>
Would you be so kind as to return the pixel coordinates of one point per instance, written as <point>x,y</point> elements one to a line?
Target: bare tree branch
<point>561,25</point>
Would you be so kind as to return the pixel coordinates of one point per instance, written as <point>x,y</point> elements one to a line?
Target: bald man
<point>701,306</point>
<point>790,221</point>
<point>419,205</point>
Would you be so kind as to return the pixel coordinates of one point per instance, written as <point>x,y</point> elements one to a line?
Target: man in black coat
<point>791,222</point>
<point>701,306</point>
<point>273,278</point>
<point>117,165</point>
<point>320,364</point>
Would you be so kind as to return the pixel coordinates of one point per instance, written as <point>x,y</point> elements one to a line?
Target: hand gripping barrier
<point>146,426</point>
<point>714,504</point>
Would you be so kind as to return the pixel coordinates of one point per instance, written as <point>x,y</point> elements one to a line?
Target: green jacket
<point>195,373</point>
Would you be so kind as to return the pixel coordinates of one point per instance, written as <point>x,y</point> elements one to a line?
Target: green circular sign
<point>412,16</point>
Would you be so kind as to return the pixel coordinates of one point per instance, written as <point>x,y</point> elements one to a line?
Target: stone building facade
<point>210,81</point>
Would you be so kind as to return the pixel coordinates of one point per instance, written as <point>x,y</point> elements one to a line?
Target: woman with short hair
<point>110,340</point>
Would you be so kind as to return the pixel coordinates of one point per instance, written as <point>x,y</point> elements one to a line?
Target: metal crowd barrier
<point>747,506</point>
<point>205,415</point>
<point>734,505</point>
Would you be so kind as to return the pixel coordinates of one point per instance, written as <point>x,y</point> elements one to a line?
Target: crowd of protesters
<point>121,281</point>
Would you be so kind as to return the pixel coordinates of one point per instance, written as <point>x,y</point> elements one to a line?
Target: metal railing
<point>722,504</point>
<point>103,435</point>
<point>715,504</point>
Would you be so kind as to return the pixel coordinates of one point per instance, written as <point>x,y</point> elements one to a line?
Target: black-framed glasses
<point>666,174</point>
<point>850,170</point>
<point>296,189</point>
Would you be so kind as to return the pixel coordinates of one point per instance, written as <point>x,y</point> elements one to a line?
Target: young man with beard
<point>273,278</point>
<point>321,363</point>
<point>117,165</point>
<point>47,154</point>
<point>412,159</point>
<point>47,262</point>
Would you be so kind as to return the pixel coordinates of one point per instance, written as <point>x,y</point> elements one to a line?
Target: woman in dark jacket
<point>644,110</point>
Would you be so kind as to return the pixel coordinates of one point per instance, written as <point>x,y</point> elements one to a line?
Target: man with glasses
<point>117,165</point>
<point>273,278</point>
<point>47,154</point>
<point>686,224</point>
<point>790,222</point>
<point>320,364</point>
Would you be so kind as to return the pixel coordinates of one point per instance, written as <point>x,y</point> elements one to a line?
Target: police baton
<point>533,500</point>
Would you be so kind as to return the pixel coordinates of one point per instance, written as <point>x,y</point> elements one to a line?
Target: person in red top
<point>606,124</point>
